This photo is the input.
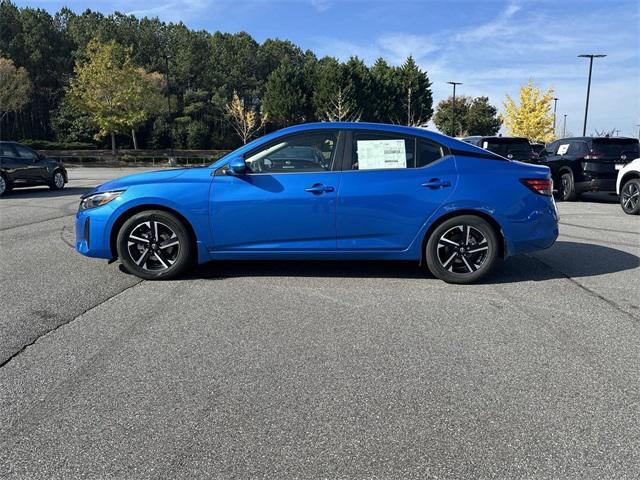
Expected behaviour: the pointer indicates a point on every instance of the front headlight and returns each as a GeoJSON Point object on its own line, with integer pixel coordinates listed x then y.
{"type": "Point", "coordinates": [99, 199]}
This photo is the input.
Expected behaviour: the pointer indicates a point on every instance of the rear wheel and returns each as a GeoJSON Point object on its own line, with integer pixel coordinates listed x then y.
{"type": "Point", "coordinates": [462, 249]}
{"type": "Point", "coordinates": [567, 189]}
{"type": "Point", "coordinates": [155, 245]}
{"type": "Point", "coordinates": [57, 181]}
{"type": "Point", "coordinates": [4, 186]}
{"type": "Point", "coordinates": [630, 196]}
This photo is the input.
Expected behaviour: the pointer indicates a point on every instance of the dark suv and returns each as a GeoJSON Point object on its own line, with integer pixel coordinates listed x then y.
{"type": "Point", "coordinates": [587, 164]}
{"type": "Point", "coordinates": [513, 148]}
{"type": "Point", "coordinates": [20, 166]}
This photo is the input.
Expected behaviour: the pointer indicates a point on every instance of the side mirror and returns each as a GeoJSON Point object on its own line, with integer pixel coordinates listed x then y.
{"type": "Point", "coordinates": [237, 166]}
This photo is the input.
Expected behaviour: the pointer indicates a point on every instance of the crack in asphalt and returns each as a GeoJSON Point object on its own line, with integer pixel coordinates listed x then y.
{"type": "Point", "coordinates": [73, 319]}
{"type": "Point", "coordinates": [610, 302]}
{"type": "Point", "coordinates": [6, 229]}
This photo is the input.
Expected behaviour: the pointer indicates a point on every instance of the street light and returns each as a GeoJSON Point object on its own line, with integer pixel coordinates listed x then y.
{"type": "Point", "coordinates": [555, 104]}
{"type": "Point", "coordinates": [564, 127]}
{"type": "Point", "coordinates": [590, 56]}
{"type": "Point", "coordinates": [453, 108]}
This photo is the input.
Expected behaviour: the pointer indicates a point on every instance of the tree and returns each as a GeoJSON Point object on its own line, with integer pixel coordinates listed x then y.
{"type": "Point", "coordinates": [474, 116]}
{"type": "Point", "coordinates": [341, 107]}
{"type": "Point", "coordinates": [109, 88]}
{"type": "Point", "coordinates": [244, 121]}
{"type": "Point", "coordinates": [150, 102]}
{"type": "Point", "coordinates": [388, 105]}
{"type": "Point", "coordinates": [418, 100]}
{"type": "Point", "coordinates": [533, 117]}
{"type": "Point", "coordinates": [286, 98]}
{"type": "Point", "coordinates": [444, 118]}
{"type": "Point", "coordinates": [482, 118]}
{"type": "Point", "coordinates": [15, 88]}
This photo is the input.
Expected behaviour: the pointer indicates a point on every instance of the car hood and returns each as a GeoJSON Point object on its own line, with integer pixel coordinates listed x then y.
{"type": "Point", "coordinates": [159, 176]}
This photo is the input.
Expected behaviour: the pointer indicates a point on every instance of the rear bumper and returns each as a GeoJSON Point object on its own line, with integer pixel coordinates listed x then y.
{"type": "Point", "coordinates": [537, 231]}
{"type": "Point", "coordinates": [596, 185]}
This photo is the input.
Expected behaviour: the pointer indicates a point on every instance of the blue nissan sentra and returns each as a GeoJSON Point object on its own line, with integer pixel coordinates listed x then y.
{"type": "Point", "coordinates": [338, 191]}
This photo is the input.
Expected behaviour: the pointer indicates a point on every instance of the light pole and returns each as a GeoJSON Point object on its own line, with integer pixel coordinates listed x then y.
{"type": "Point", "coordinates": [564, 127]}
{"type": "Point", "coordinates": [590, 56]}
{"type": "Point", "coordinates": [453, 108]}
{"type": "Point", "coordinates": [172, 157]}
{"type": "Point", "coordinates": [555, 105]}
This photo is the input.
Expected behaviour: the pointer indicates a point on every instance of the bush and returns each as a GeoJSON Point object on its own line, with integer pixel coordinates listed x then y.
{"type": "Point", "coordinates": [47, 145]}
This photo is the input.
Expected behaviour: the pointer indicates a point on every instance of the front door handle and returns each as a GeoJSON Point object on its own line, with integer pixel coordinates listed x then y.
{"type": "Point", "coordinates": [318, 188]}
{"type": "Point", "coordinates": [436, 183]}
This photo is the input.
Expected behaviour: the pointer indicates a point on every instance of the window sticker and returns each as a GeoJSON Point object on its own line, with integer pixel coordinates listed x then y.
{"type": "Point", "coordinates": [377, 154]}
{"type": "Point", "coordinates": [562, 149]}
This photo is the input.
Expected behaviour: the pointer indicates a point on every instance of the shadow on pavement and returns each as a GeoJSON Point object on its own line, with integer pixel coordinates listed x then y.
{"type": "Point", "coordinates": [563, 259]}
{"type": "Point", "coordinates": [45, 192]}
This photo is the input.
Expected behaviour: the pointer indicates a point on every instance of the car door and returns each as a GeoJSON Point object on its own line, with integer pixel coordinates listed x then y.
{"type": "Point", "coordinates": [286, 201]}
{"type": "Point", "coordinates": [391, 185]}
{"type": "Point", "coordinates": [14, 167]}
{"type": "Point", "coordinates": [35, 170]}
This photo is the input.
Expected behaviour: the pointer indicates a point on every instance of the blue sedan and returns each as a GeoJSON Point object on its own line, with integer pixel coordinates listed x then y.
{"type": "Point", "coordinates": [339, 191]}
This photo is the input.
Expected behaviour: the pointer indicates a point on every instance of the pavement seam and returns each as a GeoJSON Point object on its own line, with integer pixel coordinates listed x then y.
{"type": "Point", "coordinates": [36, 223]}
{"type": "Point", "coordinates": [587, 289]}
{"type": "Point", "coordinates": [48, 332]}
{"type": "Point", "coordinates": [596, 228]}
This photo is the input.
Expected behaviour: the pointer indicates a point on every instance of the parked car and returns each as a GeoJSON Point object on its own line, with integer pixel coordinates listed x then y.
{"type": "Point", "coordinates": [537, 148]}
{"type": "Point", "coordinates": [587, 164]}
{"type": "Point", "coordinates": [20, 166]}
{"type": "Point", "coordinates": [628, 187]}
{"type": "Point", "coordinates": [369, 191]}
{"type": "Point", "coordinates": [513, 148]}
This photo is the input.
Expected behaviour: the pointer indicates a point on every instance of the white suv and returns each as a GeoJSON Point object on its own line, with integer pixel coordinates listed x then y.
{"type": "Point", "coordinates": [628, 187]}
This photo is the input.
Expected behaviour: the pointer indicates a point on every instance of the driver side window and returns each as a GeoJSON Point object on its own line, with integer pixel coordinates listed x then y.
{"type": "Point", "coordinates": [26, 153]}
{"type": "Point", "coordinates": [311, 152]}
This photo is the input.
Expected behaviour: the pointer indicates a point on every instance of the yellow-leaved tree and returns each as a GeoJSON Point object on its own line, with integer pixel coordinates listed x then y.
{"type": "Point", "coordinates": [532, 118]}
{"type": "Point", "coordinates": [244, 120]}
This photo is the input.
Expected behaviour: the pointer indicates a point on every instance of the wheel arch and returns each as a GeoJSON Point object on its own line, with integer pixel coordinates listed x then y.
{"type": "Point", "coordinates": [628, 176]}
{"type": "Point", "coordinates": [457, 213]}
{"type": "Point", "coordinates": [127, 214]}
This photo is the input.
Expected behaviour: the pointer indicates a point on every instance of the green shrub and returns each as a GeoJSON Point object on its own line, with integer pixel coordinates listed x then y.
{"type": "Point", "coordinates": [47, 145]}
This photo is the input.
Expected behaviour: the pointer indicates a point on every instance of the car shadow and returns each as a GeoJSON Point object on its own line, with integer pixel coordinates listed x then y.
{"type": "Point", "coordinates": [564, 259]}
{"type": "Point", "coordinates": [46, 192]}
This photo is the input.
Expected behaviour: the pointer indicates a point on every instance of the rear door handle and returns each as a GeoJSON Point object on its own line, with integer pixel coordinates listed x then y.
{"type": "Point", "coordinates": [318, 188]}
{"type": "Point", "coordinates": [436, 183]}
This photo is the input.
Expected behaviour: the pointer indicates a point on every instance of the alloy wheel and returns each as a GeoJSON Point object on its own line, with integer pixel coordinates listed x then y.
{"type": "Point", "coordinates": [3, 185]}
{"type": "Point", "coordinates": [630, 196]}
{"type": "Point", "coordinates": [153, 246]}
{"type": "Point", "coordinates": [462, 249]}
{"type": "Point", "coordinates": [58, 180]}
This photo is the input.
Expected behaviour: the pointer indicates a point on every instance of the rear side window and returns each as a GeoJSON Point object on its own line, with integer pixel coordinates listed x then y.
{"type": "Point", "coordinates": [372, 151]}
{"type": "Point", "coordinates": [6, 150]}
{"type": "Point", "coordinates": [26, 152]}
{"type": "Point", "coordinates": [507, 146]}
{"type": "Point", "coordinates": [615, 147]}
{"type": "Point", "coordinates": [577, 148]}
{"type": "Point", "coordinates": [428, 152]}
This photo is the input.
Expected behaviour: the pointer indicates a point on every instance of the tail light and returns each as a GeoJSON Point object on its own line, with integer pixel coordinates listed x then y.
{"type": "Point", "coordinates": [543, 186]}
{"type": "Point", "coordinates": [593, 156]}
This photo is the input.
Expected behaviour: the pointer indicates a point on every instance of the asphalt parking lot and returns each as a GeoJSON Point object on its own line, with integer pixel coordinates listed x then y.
{"type": "Point", "coordinates": [317, 370]}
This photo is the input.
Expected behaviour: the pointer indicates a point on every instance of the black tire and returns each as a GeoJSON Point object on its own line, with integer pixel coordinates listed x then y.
{"type": "Point", "coordinates": [57, 180]}
{"type": "Point", "coordinates": [630, 197]}
{"type": "Point", "coordinates": [567, 188]}
{"type": "Point", "coordinates": [462, 249]}
{"type": "Point", "coordinates": [4, 185]}
{"type": "Point", "coordinates": [140, 245]}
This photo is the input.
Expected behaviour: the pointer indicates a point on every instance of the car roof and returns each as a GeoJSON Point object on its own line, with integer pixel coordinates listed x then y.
{"type": "Point", "coordinates": [597, 138]}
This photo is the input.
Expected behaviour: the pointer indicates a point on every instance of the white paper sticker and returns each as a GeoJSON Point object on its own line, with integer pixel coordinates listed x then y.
{"type": "Point", "coordinates": [562, 149]}
{"type": "Point", "coordinates": [375, 154]}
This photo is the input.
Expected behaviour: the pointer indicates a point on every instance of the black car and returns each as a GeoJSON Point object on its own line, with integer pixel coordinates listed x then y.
{"type": "Point", "coordinates": [587, 164]}
{"type": "Point", "coordinates": [513, 148]}
{"type": "Point", "coordinates": [20, 166]}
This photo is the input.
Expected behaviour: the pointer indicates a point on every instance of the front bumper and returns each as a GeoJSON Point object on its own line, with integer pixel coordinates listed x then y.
{"type": "Point", "coordinates": [92, 239]}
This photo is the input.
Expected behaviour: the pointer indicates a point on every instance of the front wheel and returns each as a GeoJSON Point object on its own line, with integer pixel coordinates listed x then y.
{"type": "Point", "coordinates": [462, 249]}
{"type": "Point", "coordinates": [57, 181]}
{"type": "Point", "coordinates": [155, 245]}
{"type": "Point", "coordinates": [4, 186]}
{"type": "Point", "coordinates": [630, 197]}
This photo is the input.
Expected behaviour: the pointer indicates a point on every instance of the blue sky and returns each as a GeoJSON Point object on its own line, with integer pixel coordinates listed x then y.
{"type": "Point", "coordinates": [492, 46]}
